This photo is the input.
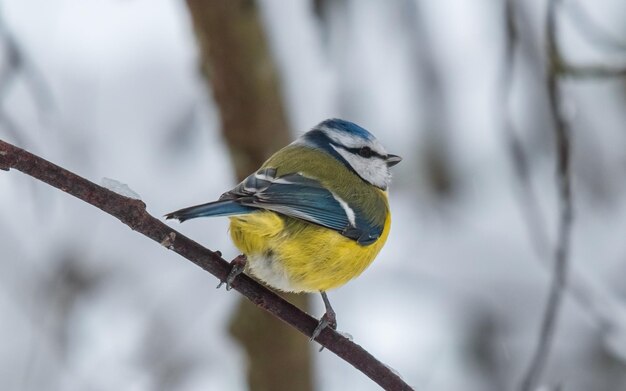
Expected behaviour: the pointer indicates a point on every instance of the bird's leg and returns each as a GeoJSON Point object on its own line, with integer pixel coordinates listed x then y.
{"type": "Point", "coordinates": [329, 319]}
{"type": "Point", "coordinates": [238, 264]}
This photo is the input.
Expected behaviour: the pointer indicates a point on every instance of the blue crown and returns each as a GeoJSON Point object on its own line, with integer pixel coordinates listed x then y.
{"type": "Point", "coordinates": [341, 125]}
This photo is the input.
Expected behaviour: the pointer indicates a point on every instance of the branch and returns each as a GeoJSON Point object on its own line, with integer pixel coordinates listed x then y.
{"type": "Point", "coordinates": [133, 213]}
{"type": "Point", "coordinates": [561, 252]}
{"type": "Point", "coordinates": [594, 32]}
{"type": "Point", "coordinates": [535, 224]}
{"type": "Point", "coordinates": [591, 71]}
{"type": "Point", "coordinates": [599, 304]}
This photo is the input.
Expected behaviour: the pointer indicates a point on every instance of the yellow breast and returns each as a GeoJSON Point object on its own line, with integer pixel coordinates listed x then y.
{"type": "Point", "coordinates": [295, 256]}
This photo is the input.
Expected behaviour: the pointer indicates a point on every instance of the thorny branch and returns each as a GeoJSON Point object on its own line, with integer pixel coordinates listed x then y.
{"type": "Point", "coordinates": [133, 213]}
{"type": "Point", "coordinates": [561, 252]}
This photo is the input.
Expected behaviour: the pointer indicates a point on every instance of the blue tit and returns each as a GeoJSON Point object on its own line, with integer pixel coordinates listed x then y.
{"type": "Point", "coordinates": [314, 216]}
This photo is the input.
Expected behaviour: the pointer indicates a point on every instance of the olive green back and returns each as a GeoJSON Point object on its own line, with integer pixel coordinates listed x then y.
{"type": "Point", "coordinates": [335, 176]}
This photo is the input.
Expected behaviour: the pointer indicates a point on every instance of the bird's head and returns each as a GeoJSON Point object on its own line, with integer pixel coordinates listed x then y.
{"type": "Point", "coordinates": [354, 146]}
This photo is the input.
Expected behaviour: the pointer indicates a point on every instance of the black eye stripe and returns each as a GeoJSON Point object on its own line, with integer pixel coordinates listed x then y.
{"type": "Point", "coordinates": [357, 151]}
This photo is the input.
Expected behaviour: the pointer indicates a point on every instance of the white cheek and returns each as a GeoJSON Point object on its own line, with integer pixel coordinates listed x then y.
{"type": "Point", "coordinates": [374, 171]}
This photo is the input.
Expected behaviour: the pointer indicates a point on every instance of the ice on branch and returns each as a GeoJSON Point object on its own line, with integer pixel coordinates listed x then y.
{"type": "Point", "coordinates": [347, 336]}
{"type": "Point", "coordinates": [393, 371]}
{"type": "Point", "coordinates": [119, 188]}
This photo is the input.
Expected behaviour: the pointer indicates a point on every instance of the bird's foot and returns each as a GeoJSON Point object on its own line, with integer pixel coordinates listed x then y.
{"type": "Point", "coordinates": [238, 265]}
{"type": "Point", "coordinates": [329, 319]}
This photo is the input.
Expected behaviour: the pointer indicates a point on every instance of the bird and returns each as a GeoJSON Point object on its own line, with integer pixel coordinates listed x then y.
{"type": "Point", "coordinates": [313, 216]}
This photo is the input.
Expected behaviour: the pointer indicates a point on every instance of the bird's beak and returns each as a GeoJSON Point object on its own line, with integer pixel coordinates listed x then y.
{"type": "Point", "coordinates": [392, 160]}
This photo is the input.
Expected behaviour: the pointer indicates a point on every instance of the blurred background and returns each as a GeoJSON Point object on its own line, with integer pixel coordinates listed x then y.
{"type": "Point", "coordinates": [180, 99]}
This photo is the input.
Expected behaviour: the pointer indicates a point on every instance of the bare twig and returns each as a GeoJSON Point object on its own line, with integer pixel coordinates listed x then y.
{"type": "Point", "coordinates": [591, 71]}
{"type": "Point", "coordinates": [593, 298]}
{"type": "Point", "coordinates": [561, 252]}
{"type": "Point", "coordinates": [601, 38]}
{"type": "Point", "coordinates": [133, 213]}
{"type": "Point", "coordinates": [535, 223]}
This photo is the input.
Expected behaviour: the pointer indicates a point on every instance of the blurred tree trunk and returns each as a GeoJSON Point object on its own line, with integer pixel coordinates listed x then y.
{"type": "Point", "coordinates": [244, 81]}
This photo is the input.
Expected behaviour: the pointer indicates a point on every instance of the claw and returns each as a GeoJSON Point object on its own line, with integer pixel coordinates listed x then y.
{"type": "Point", "coordinates": [238, 265]}
{"type": "Point", "coordinates": [329, 319]}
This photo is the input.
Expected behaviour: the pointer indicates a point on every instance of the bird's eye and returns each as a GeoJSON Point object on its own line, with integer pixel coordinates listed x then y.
{"type": "Point", "coordinates": [366, 152]}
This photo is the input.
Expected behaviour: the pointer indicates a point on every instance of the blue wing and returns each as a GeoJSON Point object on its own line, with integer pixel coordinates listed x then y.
{"type": "Point", "coordinates": [213, 209]}
{"type": "Point", "coordinates": [292, 195]}
{"type": "Point", "coordinates": [298, 196]}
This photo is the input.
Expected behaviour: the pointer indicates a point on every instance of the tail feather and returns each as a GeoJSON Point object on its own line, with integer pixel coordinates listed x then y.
{"type": "Point", "coordinates": [217, 208]}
